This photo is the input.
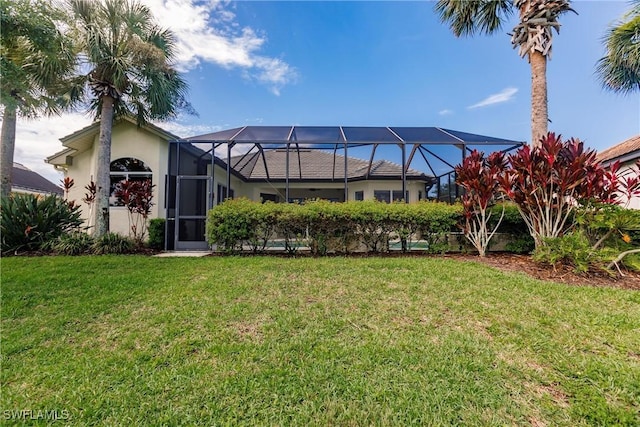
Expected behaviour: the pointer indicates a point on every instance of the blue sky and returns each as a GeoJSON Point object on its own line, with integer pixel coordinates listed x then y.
{"type": "Point", "coordinates": [370, 64]}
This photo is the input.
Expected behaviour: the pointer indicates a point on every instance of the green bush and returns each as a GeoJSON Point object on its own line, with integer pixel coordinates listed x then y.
{"type": "Point", "coordinates": [232, 223]}
{"type": "Point", "coordinates": [113, 243]}
{"type": "Point", "coordinates": [74, 243]}
{"type": "Point", "coordinates": [156, 233]}
{"type": "Point", "coordinates": [435, 221]}
{"type": "Point", "coordinates": [329, 227]}
{"type": "Point", "coordinates": [572, 249]}
{"type": "Point", "coordinates": [609, 225]}
{"type": "Point", "coordinates": [30, 222]}
{"type": "Point", "coordinates": [512, 224]}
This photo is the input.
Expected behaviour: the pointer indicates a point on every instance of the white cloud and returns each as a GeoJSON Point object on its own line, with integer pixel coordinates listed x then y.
{"type": "Point", "coordinates": [208, 32]}
{"type": "Point", "coordinates": [503, 96]}
{"type": "Point", "coordinates": [445, 112]}
{"type": "Point", "coordinates": [37, 139]}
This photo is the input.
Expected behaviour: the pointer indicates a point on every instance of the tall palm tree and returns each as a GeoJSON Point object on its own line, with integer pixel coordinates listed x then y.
{"type": "Point", "coordinates": [619, 69]}
{"type": "Point", "coordinates": [532, 36]}
{"type": "Point", "coordinates": [128, 70]}
{"type": "Point", "coordinates": [35, 58]}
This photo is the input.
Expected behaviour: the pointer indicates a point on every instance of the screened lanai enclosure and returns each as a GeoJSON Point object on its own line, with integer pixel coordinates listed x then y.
{"type": "Point", "coordinates": [296, 163]}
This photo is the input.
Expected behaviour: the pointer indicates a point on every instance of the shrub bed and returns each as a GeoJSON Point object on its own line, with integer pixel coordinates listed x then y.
{"type": "Point", "coordinates": [326, 227]}
{"type": "Point", "coordinates": [30, 222]}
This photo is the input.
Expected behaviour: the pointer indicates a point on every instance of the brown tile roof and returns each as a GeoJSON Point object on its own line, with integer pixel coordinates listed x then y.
{"type": "Point", "coordinates": [314, 165]}
{"type": "Point", "coordinates": [627, 147]}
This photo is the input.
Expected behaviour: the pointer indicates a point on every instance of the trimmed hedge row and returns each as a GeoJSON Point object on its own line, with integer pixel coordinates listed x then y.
{"type": "Point", "coordinates": [330, 227]}
{"type": "Point", "coordinates": [369, 226]}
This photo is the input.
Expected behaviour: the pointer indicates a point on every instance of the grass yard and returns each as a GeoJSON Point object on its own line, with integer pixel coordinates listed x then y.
{"type": "Point", "coordinates": [132, 340]}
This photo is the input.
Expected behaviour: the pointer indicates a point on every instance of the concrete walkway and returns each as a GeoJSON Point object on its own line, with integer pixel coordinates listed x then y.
{"type": "Point", "coordinates": [194, 254]}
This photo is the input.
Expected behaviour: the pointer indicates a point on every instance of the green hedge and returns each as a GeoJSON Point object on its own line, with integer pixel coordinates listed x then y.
{"type": "Point", "coordinates": [330, 227]}
{"type": "Point", "coordinates": [513, 224]}
{"type": "Point", "coordinates": [156, 233]}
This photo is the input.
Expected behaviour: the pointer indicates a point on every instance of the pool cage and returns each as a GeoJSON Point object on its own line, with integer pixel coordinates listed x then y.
{"type": "Point", "coordinates": [207, 169]}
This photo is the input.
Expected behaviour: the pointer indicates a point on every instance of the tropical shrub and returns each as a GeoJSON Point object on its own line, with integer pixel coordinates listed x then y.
{"type": "Point", "coordinates": [113, 243]}
{"type": "Point", "coordinates": [550, 181]}
{"type": "Point", "coordinates": [137, 197]}
{"type": "Point", "coordinates": [479, 177]}
{"type": "Point", "coordinates": [30, 221]}
{"type": "Point", "coordinates": [74, 243]}
{"type": "Point", "coordinates": [572, 248]}
{"type": "Point", "coordinates": [608, 225]}
{"type": "Point", "coordinates": [156, 233]}
{"type": "Point", "coordinates": [89, 199]}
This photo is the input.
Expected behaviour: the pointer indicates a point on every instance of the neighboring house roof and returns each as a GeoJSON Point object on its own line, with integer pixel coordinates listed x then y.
{"type": "Point", "coordinates": [82, 140]}
{"type": "Point", "coordinates": [628, 150]}
{"type": "Point", "coordinates": [28, 181]}
{"type": "Point", "coordinates": [314, 165]}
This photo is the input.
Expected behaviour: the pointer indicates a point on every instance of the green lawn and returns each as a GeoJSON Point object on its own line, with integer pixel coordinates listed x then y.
{"type": "Point", "coordinates": [134, 340]}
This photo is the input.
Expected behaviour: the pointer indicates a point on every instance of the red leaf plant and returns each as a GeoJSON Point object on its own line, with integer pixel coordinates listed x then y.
{"type": "Point", "coordinates": [480, 177]}
{"type": "Point", "coordinates": [137, 197]}
{"type": "Point", "coordinates": [549, 181]}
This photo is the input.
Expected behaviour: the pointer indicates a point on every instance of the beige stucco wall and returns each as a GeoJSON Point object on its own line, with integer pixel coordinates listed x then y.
{"type": "Point", "coordinates": [328, 190]}
{"type": "Point", "coordinates": [127, 140]}
{"type": "Point", "coordinates": [625, 169]}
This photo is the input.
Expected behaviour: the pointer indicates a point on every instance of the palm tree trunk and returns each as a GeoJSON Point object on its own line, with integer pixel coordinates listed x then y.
{"type": "Point", "coordinates": [539, 107]}
{"type": "Point", "coordinates": [103, 164]}
{"type": "Point", "coordinates": [7, 147]}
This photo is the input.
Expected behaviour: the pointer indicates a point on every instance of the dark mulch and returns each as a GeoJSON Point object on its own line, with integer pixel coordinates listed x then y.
{"type": "Point", "coordinates": [559, 273]}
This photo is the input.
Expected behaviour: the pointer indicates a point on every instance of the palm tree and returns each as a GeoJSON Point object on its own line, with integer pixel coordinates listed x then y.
{"type": "Point", "coordinates": [35, 58]}
{"type": "Point", "coordinates": [619, 69]}
{"type": "Point", "coordinates": [532, 36]}
{"type": "Point", "coordinates": [127, 61]}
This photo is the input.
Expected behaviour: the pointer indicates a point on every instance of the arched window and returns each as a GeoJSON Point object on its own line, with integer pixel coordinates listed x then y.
{"type": "Point", "coordinates": [127, 168]}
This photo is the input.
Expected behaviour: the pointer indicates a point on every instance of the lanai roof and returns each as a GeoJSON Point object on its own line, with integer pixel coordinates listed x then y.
{"type": "Point", "coordinates": [438, 148]}
{"type": "Point", "coordinates": [349, 134]}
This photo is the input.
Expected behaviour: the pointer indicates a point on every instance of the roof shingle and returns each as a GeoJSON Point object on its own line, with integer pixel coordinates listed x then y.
{"type": "Point", "coordinates": [626, 147]}
{"type": "Point", "coordinates": [308, 164]}
{"type": "Point", "coordinates": [27, 180]}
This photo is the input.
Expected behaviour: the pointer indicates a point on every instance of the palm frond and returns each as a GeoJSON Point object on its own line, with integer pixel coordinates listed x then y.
{"type": "Point", "coordinates": [619, 69]}
{"type": "Point", "coordinates": [466, 18]}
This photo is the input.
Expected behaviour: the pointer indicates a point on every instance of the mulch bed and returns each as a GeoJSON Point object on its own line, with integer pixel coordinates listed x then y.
{"type": "Point", "coordinates": [559, 273]}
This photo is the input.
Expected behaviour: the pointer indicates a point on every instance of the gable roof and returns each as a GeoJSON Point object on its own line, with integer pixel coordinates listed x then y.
{"type": "Point", "coordinates": [627, 150]}
{"type": "Point", "coordinates": [308, 164]}
{"type": "Point", "coordinates": [94, 128]}
{"type": "Point", "coordinates": [82, 139]}
{"type": "Point", "coordinates": [26, 180]}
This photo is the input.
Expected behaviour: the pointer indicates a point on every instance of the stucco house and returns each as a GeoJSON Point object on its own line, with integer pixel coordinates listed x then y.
{"type": "Point", "coordinates": [627, 153]}
{"type": "Point", "coordinates": [136, 153]}
{"type": "Point", "coordinates": [267, 163]}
